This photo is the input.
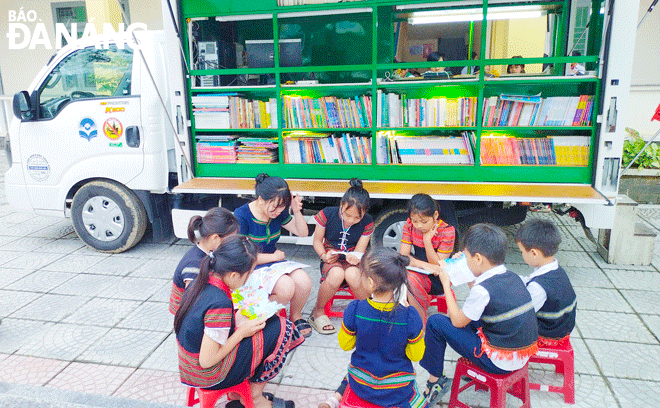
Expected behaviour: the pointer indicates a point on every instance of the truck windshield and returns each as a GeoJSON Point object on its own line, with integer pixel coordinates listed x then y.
{"type": "Point", "coordinates": [86, 73]}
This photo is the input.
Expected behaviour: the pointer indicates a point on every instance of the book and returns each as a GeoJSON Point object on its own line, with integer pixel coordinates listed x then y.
{"type": "Point", "coordinates": [458, 271]}
{"type": "Point", "coordinates": [253, 303]}
{"type": "Point", "coordinates": [358, 255]}
{"type": "Point", "coordinates": [265, 277]}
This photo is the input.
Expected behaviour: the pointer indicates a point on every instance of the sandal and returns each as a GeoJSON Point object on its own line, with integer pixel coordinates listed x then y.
{"type": "Point", "coordinates": [280, 403]}
{"type": "Point", "coordinates": [301, 325]}
{"type": "Point", "coordinates": [435, 390]}
{"type": "Point", "coordinates": [322, 324]}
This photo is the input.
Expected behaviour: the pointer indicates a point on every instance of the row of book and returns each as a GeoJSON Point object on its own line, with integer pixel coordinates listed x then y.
{"type": "Point", "coordinates": [438, 150]}
{"type": "Point", "coordinates": [235, 149]}
{"type": "Point", "coordinates": [553, 150]}
{"type": "Point", "coordinates": [521, 110]}
{"type": "Point", "coordinates": [303, 2]}
{"type": "Point", "coordinates": [232, 111]}
{"type": "Point", "coordinates": [396, 110]}
{"type": "Point", "coordinates": [301, 112]}
{"type": "Point", "coordinates": [342, 148]}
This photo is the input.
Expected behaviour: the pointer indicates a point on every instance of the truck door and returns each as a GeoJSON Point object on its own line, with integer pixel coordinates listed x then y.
{"type": "Point", "coordinates": [88, 125]}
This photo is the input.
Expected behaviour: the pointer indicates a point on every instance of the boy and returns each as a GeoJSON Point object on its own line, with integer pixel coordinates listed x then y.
{"type": "Point", "coordinates": [496, 329]}
{"type": "Point", "coordinates": [551, 291]}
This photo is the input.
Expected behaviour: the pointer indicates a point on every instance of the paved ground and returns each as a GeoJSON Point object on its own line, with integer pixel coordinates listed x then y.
{"type": "Point", "coordinates": [85, 329]}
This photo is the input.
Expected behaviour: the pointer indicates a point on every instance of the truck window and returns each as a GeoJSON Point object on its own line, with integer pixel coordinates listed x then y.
{"type": "Point", "coordinates": [87, 73]}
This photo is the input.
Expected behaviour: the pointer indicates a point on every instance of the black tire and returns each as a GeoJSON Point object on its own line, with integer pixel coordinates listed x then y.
{"type": "Point", "coordinates": [387, 227]}
{"type": "Point", "coordinates": [120, 213]}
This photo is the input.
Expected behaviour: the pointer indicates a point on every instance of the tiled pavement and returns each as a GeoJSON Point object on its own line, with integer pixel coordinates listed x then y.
{"type": "Point", "coordinates": [97, 327]}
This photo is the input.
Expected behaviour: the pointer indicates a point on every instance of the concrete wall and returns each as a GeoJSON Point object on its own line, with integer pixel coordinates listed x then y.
{"type": "Point", "coordinates": [524, 37]}
{"type": "Point", "coordinates": [19, 67]}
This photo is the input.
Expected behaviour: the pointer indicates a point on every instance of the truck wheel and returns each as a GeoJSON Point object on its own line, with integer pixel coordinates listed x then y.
{"type": "Point", "coordinates": [108, 217]}
{"type": "Point", "coordinates": [388, 228]}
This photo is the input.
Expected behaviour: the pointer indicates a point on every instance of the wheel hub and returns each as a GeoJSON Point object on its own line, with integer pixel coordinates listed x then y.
{"type": "Point", "coordinates": [392, 235]}
{"type": "Point", "coordinates": [103, 218]}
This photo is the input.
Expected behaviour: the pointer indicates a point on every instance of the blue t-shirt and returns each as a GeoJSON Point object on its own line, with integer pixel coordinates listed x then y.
{"type": "Point", "coordinates": [264, 234]}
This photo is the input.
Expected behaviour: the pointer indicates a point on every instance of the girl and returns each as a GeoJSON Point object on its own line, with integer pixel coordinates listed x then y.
{"type": "Point", "coordinates": [216, 351]}
{"type": "Point", "coordinates": [515, 68]}
{"type": "Point", "coordinates": [262, 220]}
{"type": "Point", "coordinates": [433, 241]}
{"type": "Point", "coordinates": [206, 233]}
{"type": "Point", "coordinates": [346, 228]}
{"type": "Point", "coordinates": [386, 335]}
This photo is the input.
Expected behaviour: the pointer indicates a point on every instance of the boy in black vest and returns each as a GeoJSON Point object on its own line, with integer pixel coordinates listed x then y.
{"type": "Point", "coordinates": [496, 328]}
{"type": "Point", "coordinates": [552, 293]}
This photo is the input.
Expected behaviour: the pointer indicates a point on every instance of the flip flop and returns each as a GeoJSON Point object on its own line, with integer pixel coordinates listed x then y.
{"type": "Point", "coordinates": [321, 324]}
{"type": "Point", "coordinates": [301, 325]}
{"type": "Point", "coordinates": [280, 403]}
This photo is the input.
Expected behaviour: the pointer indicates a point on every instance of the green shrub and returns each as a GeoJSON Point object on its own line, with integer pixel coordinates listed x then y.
{"type": "Point", "coordinates": [649, 159]}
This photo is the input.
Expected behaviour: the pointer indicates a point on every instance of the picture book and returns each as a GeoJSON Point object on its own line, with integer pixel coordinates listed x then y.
{"type": "Point", "coordinates": [266, 276]}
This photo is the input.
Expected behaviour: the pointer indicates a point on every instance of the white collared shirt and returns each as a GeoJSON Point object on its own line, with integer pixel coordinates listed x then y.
{"type": "Point", "coordinates": [539, 296]}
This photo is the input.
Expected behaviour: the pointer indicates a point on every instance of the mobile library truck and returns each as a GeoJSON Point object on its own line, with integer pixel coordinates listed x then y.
{"type": "Point", "coordinates": [123, 138]}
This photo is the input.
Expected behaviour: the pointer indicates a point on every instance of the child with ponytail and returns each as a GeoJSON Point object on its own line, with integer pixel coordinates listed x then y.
{"type": "Point", "coordinates": [386, 335]}
{"type": "Point", "coordinates": [262, 221]}
{"type": "Point", "coordinates": [217, 350]}
{"type": "Point", "coordinates": [346, 228]}
{"type": "Point", "coordinates": [206, 233]}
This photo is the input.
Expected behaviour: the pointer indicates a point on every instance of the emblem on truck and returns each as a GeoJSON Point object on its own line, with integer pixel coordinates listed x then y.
{"type": "Point", "coordinates": [113, 128]}
{"type": "Point", "coordinates": [87, 129]}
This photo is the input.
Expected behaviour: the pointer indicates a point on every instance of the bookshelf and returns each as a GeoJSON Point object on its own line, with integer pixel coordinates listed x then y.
{"type": "Point", "coordinates": [339, 113]}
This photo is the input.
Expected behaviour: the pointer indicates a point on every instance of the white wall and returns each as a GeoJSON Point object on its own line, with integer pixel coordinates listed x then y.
{"type": "Point", "coordinates": [19, 67]}
{"type": "Point", "coordinates": [645, 85]}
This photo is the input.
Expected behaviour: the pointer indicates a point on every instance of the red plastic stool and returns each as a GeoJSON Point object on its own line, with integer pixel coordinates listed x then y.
{"type": "Point", "coordinates": [516, 384]}
{"type": "Point", "coordinates": [440, 302]}
{"type": "Point", "coordinates": [350, 400]}
{"type": "Point", "coordinates": [562, 357]}
{"type": "Point", "coordinates": [346, 295]}
{"type": "Point", "coordinates": [208, 398]}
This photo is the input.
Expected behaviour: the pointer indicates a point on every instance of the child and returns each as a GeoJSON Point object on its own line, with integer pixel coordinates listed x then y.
{"type": "Point", "coordinates": [515, 68]}
{"type": "Point", "coordinates": [552, 293]}
{"type": "Point", "coordinates": [206, 233]}
{"type": "Point", "coordinates": [386, 335]}
{"type": "Point", "coordinates": [436, 72]}
{"type": "Point", "coordinates": [218, 351]}
{"type": "Point", "coordinates": [433, 240]}
{"type": "Point", "coordinates": [346, 228]}
{"type": "Point", "coordinates": [262, 220]}
{"type": "Point", "coordinates": [496, 329]}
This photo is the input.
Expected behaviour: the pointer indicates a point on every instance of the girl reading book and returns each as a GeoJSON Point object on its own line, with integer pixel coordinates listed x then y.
{"type": "Point", "coordinates": [432, 240]}
{"type": "Point", "coordinates": [341, 237]}
{"type": "Point", "coordinates": [261, 221]}
{"type": "Point", "coordinates": [218, 350]}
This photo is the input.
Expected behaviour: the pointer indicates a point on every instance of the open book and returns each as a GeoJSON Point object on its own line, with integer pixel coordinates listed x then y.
{"type": "Point", "coordinates": [457, 269]}
{"type": "Point", "coordinates": [358, 255]}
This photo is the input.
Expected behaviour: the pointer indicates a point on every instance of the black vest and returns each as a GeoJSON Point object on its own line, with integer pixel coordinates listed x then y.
{"type": "Point", "coordinates": [557, 316]}
{"type": "Point", "coordinates": [508, 320]}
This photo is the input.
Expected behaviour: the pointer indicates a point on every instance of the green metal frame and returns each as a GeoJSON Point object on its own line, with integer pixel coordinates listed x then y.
{"type": "Point", "coordinates": [480, 87]}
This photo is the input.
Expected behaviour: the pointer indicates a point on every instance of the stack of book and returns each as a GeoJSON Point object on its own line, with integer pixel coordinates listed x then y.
{"type": "Point", "coordinates": [211, 111]}
{"type": "Point", "coordinates": [257, 150]}
{"type": "Point", "coordinates": [554, 150]}
{"type": "Point", "coordinates": [320, 148]}
{"type": "Point", "coordinates": [521, 110]}
{"type": "Point", "coordinates": [438, 150]}
{"type": "Point", "coordinates": [252, 114]}
{"type": "Point", "coordinates": [216, 149]}
{"type": "Point", "coordinates": [396, 110]}
{"type": "Point", "coordinates": [302, 112]}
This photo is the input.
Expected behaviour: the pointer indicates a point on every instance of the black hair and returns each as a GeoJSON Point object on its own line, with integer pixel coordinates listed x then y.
{"type": "Point", "coordinates": [576, 54]}
{"type": "Point", "coordinates": [269, 188]}
{"type": "Point", "coordinates": [436, 56]}
{"type": "Point", "coordinates": [217, 220]}
{"type": "Point", "coordinates": [508, 68]}
{"type": "Point", "coordinates": [539, 234]}
{"type": "Point", "coordinates": [423, 204]}
{"type": "Point", "coordinates": [474, 55]}
{"type": "Point", "coordinates": [235, 254]}
{"type": "Point", "coordinates": [356, 196]}
{"type": "Point", "coordinates": [487, 240]}
{"type": "Point", "coordinates": [388, 269]}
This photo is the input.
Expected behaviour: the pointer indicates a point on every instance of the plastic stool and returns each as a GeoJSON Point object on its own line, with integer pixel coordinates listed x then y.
{"type": "Point", "coordinates": [208, 398]}
{"type": "Point", "coordinates": [516, 384]}
{"type": "Point", "coordinates": [440, 302]}
{"type": "Point", "coordinates": [346, 295]}
{"type": "Point", "coordinates": [350, 400]}
{"type": "Point", "coordinates": [562, 357]}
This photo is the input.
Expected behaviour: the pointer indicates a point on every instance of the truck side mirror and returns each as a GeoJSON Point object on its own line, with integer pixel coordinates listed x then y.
{"type": "Point", "coordinates": [23, 106]}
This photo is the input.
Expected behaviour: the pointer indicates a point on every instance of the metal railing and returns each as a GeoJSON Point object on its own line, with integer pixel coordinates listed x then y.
{"type": "Point", "coordinates": [6, 114]}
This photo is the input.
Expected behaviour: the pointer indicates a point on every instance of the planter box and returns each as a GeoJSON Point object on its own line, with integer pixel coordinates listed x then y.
{"type": "Point", "coordinates": [642, 185]}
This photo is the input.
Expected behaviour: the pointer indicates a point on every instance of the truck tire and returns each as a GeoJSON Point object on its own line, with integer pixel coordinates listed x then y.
{"type": "Point", "coordinates": [108, 217]}
{"type": "Point", "coordinates": [388, 228]}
